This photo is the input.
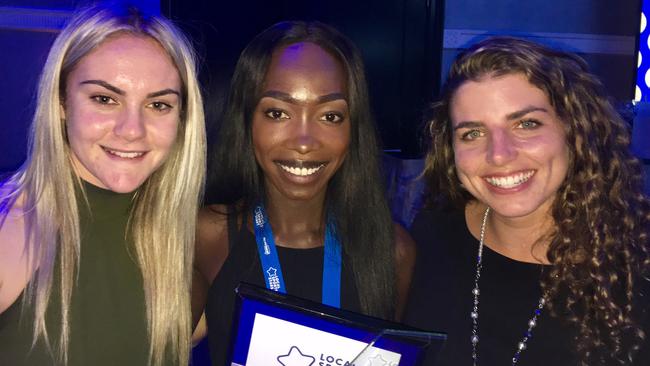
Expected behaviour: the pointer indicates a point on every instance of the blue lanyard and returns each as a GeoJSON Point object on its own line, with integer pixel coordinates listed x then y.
{"type": "Point", "coordinates": [272, 271]}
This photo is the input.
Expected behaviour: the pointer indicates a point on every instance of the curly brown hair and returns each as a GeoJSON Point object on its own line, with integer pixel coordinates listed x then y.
{"type": "Point", "coordinates": [599, 246]}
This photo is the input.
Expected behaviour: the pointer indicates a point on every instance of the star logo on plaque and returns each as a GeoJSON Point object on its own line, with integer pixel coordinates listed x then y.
{"type": "Point", "coordinates": [296, 358]}
{"type": "Point", "coordinates": [377, 361]}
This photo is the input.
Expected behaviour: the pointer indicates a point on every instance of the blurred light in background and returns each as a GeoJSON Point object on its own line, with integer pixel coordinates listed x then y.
{"type": "Point", "coordinates": [642, 92]}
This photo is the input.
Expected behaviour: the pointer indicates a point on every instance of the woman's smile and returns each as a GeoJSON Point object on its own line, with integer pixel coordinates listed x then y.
{"type": "Point", "coordinates": [301, 168]}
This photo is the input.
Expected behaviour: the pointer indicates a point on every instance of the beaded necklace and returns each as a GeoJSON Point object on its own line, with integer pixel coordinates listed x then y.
{"type": "Point", "coordinates": [521, 346]}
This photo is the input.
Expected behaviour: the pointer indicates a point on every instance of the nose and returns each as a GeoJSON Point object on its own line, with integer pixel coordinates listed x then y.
{"type": "Point", "coordinates": [501, 148]}
{"type": "Point", "coordinates": [304, 137]}
{"type": "Point", "coordinates": [130, 125]}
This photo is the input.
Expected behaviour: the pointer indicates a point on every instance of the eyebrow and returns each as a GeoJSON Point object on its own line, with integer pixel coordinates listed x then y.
{"type": "Point", "coordinates": [520, 113]}
{"type": "Point", "coordinates": [511, 116]}
{"type": "Point", "coordinates": [160, 93]}
{"type": "Point", "coordinates": [285, 97]}
{"type": "Point", "coordinates": [106, 85]}
{"type": "Point", "coordinates": [119, 91]}
{"type": "Point", "coordinates": [467, 124]}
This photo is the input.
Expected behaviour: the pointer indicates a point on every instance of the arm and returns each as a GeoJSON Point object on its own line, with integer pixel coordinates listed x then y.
{"type": "Point", "coordinates": [405, 254]}
{"type": "Point", "coordinates": [210, 253]}
{"type": "Point", "coordinates": [16, 267]}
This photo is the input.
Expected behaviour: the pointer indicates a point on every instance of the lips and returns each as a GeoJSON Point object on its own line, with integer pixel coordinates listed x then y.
{"type": "Point", "coordinates": [510, 181]}
{"type": "Point", "coordinates": [124, 154]}
{"type": "Point", "coordinates": [301, 168]}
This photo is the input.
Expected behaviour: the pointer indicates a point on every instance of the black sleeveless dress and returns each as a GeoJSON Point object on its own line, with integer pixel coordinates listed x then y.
{"type": "Point", "coordinates": [303, 274]}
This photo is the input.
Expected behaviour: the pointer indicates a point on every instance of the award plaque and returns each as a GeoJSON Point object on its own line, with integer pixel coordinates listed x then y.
{"type": "Point", "coordinates": [274, 329]}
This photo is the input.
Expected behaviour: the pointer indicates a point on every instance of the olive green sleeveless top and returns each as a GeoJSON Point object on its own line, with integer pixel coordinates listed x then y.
{"type": "Point", "coordinates": [107, 314]}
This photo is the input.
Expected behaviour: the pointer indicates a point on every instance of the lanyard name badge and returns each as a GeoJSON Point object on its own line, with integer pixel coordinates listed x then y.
{"type": "Point", "coordinates": [272, 271]}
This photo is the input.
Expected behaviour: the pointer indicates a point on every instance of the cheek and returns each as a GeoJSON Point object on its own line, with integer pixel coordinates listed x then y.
{"type": "Point", "coordinates": [465, 161]}
{"type": "Point", "coordinates": [85, 128]}
{"type": "Point", "coordinates": [552, 148]}
{"type": "Point", "coordinates": [260, 137]}
{"type": "Point", "coordinates": [265, 136]}
{"type": "Point", "coordinates": [562, 162]}
{"type": "Point", "coordinates": [340, 140]}
{"type": "Point", "coordinates": [343, 145]}
{"type": "Point", "coordinates": [165, 134]}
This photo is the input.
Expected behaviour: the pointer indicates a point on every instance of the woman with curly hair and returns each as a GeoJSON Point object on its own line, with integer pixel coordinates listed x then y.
{"type": "Point", "coordinates": [97, 227]}
{"type": "Point", "coordinates": [298, 175]}
{"type": "Point", "coordinates": [538, 251]}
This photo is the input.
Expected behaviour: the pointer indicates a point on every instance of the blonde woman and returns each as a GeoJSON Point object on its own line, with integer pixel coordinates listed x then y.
{"type": "Point", "coordinates": [97, 227]}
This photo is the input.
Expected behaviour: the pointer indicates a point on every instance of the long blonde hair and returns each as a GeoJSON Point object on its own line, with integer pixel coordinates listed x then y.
{"type": "Point", "coordinates": [162, 222]}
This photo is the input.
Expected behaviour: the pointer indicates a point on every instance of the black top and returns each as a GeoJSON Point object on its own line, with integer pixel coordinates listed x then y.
{"type": "Point", "coordinates": [107, 314]}
{"type": "Point", "coordinates": [302, 270]}
{"type": "Point", "coordinates": [441, 299]}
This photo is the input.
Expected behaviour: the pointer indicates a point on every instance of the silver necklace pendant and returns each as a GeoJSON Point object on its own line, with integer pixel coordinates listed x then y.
{"type": "Point", "coordinates": [521, 346]}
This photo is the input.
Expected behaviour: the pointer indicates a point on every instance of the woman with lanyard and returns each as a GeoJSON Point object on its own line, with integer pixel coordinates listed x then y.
{"type": "Point", "coordinates": [303, 210]}
{"type": "Point", "coordinates": [538, 254]}
{"type": "Point", "coordinates": [97, 227]}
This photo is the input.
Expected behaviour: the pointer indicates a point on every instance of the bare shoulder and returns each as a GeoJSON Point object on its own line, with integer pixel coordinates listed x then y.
{"type": "Point", "coordinates": [405, 247]}
{"type": "Point", "coordinates": [7, 192]}
{"type": "Point", "coordinates": [405, 254]}
{"type": "Point", "coordinates": [212, 222]}
{"type": "Point", "coordinates": [16, 268]}
{"type": "Point", "coordinates": [211, 247]}
{"type": "Point", "coordinates": [210, 252]}
{"type": "Point", "coordinates": [12, 224]}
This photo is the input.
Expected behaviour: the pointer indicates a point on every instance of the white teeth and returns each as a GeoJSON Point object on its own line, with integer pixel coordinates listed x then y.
{"type": "Point", "coordinates": [510, 181]}
{"type": "Point", "coordinates": [301, 171]}
{"type": "Point", "coordinates": [126, 155]}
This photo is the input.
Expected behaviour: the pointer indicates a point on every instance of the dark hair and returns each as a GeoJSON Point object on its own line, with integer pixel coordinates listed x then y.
{"type": "Point", "coordinates": [355, 196]}
{"type": "Point", "coordinates": [599, 245]}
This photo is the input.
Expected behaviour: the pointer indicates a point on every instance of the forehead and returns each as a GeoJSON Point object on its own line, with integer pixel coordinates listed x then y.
{"type": "Point", "coordinates": [491, 94]}
{"type": "Point", "coordinates": [306, 65]}
{"type": "Point", "coordinates": [127, 58]}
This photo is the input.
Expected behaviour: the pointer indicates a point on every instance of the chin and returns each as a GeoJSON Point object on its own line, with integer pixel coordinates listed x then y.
{"type": "Point", "coordinates": [300, 195]}
{"type": "Point", "coordinates": [513, 210]}
{"type": "Point", "coordinates": [125, 190]}
{"type": "Point", "coordinates": [125, 186]}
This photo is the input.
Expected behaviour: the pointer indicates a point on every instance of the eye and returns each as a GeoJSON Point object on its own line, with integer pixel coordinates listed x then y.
{"type": "Point", "coordinates": [529, 124]}
{"type": "Point", "coordinates": [103, 99]}
{"type": "Point", "coordinates": [471, 135]}
{"type": "Point", "coordinates": [332, 117]}
{"type": "Point", "coordinates": [160, 106]}
{"type": "Point", "coordinates": [276, 114]}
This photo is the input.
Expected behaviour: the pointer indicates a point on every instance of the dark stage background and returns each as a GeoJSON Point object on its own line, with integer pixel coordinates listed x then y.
{"type": "Point", "coordinates": [407, 46]}
{"type": "Point", "coordinates": [400, 42]}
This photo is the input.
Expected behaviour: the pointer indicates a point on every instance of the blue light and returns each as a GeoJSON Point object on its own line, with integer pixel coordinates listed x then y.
{"type": "Point", "coordinates": [642, 92]}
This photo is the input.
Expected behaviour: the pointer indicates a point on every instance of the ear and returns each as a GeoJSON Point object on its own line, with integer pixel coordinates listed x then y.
{"type": "Point", "coordinates": [62, 109]}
